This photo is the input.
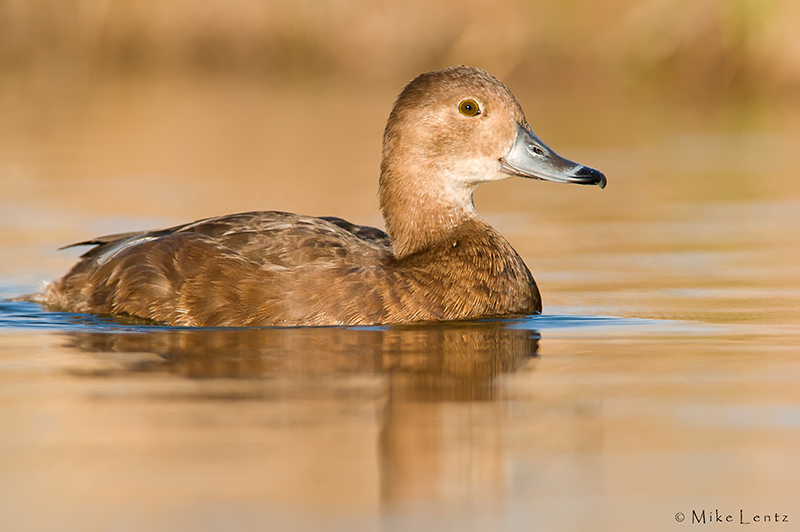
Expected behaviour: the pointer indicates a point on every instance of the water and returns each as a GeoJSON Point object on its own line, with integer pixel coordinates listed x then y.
{"type": "Point", "coordinates": [662, 379]}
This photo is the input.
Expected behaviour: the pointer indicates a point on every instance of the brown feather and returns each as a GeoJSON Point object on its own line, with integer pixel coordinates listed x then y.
{"type": "Point", "coordinates": [439, 260]}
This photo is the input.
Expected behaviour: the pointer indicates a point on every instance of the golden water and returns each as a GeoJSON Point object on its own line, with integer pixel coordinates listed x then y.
{"type": "Point", "coordinates": [663, 377]}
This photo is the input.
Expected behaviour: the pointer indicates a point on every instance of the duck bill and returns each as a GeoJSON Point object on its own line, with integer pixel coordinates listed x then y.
{"type": "Point", "coordinates": [530, 157]}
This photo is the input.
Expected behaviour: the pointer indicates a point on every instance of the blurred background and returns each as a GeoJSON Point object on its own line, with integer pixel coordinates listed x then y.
{"type": "Point", "coordinates": [119, 115]}
{"type": "Point", "coordinates": [671, 46]}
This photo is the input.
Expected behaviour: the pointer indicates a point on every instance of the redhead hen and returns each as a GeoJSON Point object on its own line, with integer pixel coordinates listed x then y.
{"type": "Point", "coordinates": [449, 131]}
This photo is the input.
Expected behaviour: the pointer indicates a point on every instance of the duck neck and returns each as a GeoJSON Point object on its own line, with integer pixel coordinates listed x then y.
{"type": "Point", "coordinates": [421, 207]}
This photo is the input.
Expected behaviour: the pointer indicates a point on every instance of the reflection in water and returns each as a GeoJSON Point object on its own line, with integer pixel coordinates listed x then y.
{"type": "Point", "coordinates": [432, 375]}
{"type": "Point", "coordinates": [423, 362]}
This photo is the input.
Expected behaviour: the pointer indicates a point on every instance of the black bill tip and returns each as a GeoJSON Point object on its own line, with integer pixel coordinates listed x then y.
{"type": "Point", "coordinates": [589, 176]}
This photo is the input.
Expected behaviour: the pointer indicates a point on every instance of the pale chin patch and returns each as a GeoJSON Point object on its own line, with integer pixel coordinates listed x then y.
{"type": "Point", "coordinates": [474, 172]}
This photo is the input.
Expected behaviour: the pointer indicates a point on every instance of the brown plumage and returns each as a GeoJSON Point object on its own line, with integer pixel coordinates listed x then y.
{"type": "Point", "coordinates": [449, 131]}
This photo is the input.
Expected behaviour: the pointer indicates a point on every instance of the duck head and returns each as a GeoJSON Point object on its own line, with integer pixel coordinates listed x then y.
{"type": "Point", "coordinates": [449, 131]}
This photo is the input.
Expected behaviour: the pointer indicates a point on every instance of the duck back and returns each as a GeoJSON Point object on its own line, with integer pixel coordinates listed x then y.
{"type": "Point", "coordinates": [275, 268]}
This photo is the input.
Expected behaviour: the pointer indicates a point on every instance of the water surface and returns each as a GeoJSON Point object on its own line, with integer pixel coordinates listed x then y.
{"type": "Point", "coordinates": [662, 379]}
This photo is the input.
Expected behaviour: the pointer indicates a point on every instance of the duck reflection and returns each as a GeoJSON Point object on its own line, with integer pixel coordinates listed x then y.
{"type": "Point", "coordinates": [427, 361]}
{"type": "Point", "coordinates": [437, 408]}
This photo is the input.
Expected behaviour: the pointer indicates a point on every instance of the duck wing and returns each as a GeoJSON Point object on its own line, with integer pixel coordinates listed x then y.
{"type": "Point", "coordinates": [232, 270]}
{"type": "Point", "coordinates": [261, 235]}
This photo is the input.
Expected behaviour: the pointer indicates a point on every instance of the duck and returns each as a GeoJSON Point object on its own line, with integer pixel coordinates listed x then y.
{"type": "Point", "coordinates": [448, 132]}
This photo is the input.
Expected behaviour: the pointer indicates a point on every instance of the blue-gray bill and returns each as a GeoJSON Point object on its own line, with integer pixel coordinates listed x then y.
{"type": "Point", "coordinates": [530, 157]}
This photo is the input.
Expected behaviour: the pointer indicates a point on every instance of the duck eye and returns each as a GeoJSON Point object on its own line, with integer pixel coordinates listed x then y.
{"type": "Point", "coordinates": [469, 108]}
